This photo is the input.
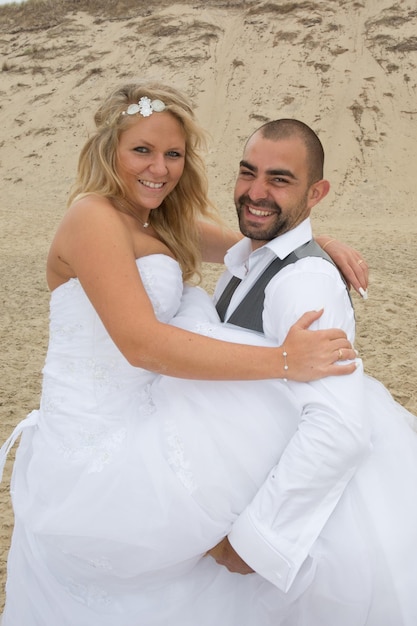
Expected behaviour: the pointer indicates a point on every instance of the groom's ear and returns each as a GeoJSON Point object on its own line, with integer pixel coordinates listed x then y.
{"type": "Point", "coordinates": [317, 192]}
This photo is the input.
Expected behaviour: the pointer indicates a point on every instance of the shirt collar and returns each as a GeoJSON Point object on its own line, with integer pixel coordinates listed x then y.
{"type": "Point", "coordinates": [238, 258]}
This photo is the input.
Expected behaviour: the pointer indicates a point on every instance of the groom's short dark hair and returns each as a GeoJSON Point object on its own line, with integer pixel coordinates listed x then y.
{"type": "Point", "coordinates": [286, 128]}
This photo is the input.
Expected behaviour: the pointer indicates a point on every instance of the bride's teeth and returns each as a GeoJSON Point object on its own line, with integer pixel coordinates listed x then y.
{"type": "Point", "coordinates": [152, 185]}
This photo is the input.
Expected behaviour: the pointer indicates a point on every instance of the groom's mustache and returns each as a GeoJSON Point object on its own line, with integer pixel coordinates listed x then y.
{"type": "Point", "coordinates": [259, 204]}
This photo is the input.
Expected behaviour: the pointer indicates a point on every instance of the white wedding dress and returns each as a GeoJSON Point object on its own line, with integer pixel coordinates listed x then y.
{"type": "Point", "coordinates": [123, 480]}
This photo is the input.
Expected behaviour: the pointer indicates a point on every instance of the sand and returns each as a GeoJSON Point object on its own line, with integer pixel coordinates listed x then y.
{"type": "Point", "coordinates": [346, 68]}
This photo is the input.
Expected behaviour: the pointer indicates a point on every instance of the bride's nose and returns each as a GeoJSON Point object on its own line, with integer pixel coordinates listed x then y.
{"type": "Point", "coordinates": [158, 165]}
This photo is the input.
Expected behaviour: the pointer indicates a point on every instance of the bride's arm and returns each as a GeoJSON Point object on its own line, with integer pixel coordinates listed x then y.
{"type": "Point", "coordinates": [349, 261]}
{"type": "Point", "coordinates": [216, 241]}
{"type": "Point", "coordinates": [98, 247]}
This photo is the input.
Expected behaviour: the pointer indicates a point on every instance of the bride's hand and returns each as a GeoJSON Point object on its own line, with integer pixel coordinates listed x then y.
{"type": "Point", "coordinates": [349, 261]}
{"type": "Point", "coordinates": [313, 354]}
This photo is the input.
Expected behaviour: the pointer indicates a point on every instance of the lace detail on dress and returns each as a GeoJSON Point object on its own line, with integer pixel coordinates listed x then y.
{"type": "Point", "coordinates": [90, 595]}
{"type": "Point", "coordinates": [176, 457]}
{"type": "Point", "coordinates": [151, 285]}
{"type": "Point", "coordinates": [64, 330]}
{"type": "Point", "coordinates": [101, 562]}
{"type": "Point", "coordinates": [145, 401]}
{"type": "Point", "coordinates": [104, 373]}
{"type": "Point", "coordinates": [69, 329]}
{"type": "Point", "coordinates": [49, 403]}
{"type": "Point", "coordinates": [94, 448]}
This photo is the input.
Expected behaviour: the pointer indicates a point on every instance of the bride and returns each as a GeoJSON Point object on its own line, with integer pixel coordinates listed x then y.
{"type": "Point", "coordinates": [150, 439]}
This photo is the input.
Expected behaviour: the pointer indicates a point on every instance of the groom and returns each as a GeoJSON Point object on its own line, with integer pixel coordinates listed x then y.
{"type": "Point", "coordinates": [273, 275]}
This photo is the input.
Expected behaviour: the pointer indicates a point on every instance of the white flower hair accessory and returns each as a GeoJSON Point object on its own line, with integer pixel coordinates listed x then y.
{"type": "Point", "coordinates": [145, 107]}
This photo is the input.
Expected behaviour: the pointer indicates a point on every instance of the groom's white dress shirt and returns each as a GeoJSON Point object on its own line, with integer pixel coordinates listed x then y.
{"type": "Point", "coordinates": [277, 530]}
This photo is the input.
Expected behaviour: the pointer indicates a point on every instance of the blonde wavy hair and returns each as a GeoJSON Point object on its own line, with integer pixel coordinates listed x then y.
{"type": "Point", "coordinates": [176, 219]}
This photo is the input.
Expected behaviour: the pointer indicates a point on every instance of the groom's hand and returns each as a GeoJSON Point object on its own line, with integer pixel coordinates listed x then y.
{"type": "Point", "coordinates": [225, 555]}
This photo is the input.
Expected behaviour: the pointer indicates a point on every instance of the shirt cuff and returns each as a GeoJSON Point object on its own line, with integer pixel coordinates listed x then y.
{"type": "Point", "coordinates": [262, 557]}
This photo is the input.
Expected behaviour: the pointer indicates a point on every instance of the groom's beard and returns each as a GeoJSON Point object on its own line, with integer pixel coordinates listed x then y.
{"type": "Point", "coordinates": [269, 227]}
{"type": "Point", "coordinates": [274, 225]}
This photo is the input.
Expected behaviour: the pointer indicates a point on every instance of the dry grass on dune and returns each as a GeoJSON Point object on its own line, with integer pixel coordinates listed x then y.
{"type": "Point", "coordinates": [36, 15]}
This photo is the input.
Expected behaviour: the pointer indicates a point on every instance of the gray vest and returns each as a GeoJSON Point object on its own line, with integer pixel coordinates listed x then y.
{"type": "Point", "coordinates": [248, 313]}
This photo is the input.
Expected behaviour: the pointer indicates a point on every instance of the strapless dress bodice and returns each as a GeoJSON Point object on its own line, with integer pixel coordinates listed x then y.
{"type": "Point", "coordinates": [76, 331]}
{"type": "Point", "coordinates": [75, 327]}
{"type": "Point", "coordinates": [84, 372]}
